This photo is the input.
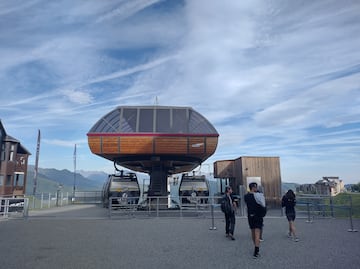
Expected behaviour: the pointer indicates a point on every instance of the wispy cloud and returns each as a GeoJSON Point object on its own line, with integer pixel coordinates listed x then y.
{"type": "Point", "coordinates": [126, 9]}
{"type": "Point", "coordinates": [274, 77]}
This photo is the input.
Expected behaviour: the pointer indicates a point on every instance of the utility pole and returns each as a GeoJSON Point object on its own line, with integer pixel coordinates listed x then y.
{"type": "Point", "coordinates": [36, 163]}
{"type": "Point", "coordinates": [74, 174]}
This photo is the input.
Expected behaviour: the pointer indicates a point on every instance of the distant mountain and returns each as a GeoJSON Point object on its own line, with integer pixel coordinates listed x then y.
{"type": "Point", "coordinates": [50, 179]}
{"type": "Point", "coordinates": [96, 176]}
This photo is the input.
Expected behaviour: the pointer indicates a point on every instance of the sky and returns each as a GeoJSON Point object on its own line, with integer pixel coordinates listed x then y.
{"type": "Point", "coordinates": [275, 78]}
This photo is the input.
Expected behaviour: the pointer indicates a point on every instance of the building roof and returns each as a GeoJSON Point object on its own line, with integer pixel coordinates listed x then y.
{"type": "Point", "coordinates": [8, 138]}
{"type": "Point", "coordinates": [154, 119]}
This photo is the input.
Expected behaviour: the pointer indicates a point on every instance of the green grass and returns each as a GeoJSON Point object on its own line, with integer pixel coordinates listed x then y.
{"type": "Point", "coordinates": [345, 199]}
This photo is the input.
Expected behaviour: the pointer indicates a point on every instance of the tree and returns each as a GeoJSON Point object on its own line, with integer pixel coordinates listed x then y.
{"type": "Point", "coordinates": [355, 187]}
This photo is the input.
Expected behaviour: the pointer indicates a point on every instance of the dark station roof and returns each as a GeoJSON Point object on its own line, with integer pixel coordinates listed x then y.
{"type": "Point", "coordinates": [154, 119]}
{"type": "Point", "coordinates": [143, 137]}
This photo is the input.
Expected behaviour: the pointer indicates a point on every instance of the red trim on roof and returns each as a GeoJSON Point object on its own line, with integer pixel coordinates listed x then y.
{"type": "Point", "coordinates": [151, 134]}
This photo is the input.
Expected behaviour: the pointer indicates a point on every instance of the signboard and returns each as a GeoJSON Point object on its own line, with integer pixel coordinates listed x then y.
{"type": "Point", "coordinates": [249, 180]}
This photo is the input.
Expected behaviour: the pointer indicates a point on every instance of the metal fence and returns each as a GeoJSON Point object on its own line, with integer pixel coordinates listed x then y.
{"type": "Point", "coordinates": [159, 206]}
{"type": "Point", "coordinates": [309, 207]}
{"type": "Point", "coordinates": [87, 197]}
{"type": "Point", "coordinates": [14, 207]}
{"type": "Point", "coordinates": [320, 206]}
{"type": "Point", "coordinates": [48, 200]}
{"type": "Point", "coordinates": [58, 199]}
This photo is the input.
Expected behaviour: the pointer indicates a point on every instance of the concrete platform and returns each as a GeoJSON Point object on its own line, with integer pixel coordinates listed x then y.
{"type": "Point", "coordinates": [84, 237]}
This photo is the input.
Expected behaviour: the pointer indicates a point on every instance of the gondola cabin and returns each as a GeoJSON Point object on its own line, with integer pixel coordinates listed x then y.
{"type": "Point", "coordinates": [193, 188]}
{"type": "Point", "coordinates": [123, 187]}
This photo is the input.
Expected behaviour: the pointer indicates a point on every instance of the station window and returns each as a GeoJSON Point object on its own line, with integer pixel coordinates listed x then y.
{"type": "Point", "coordinates": [163, 121]}
{"type": "Point", "coordinates": [8, 180]}
{"type": "Point", "coordinates": [19, 180]}
{"type": "Point", "coordinates": [1, 180]}
{"type": "Point", "coordinates": [146, 120]}
{"type": "Point", "coordinates": [2, 157]}
{"type": "Point", "coordinates": [12, 153]}
{"type": "Point", "coordinates": [128, 121]}
{"type": "Point", "coordinates": [180, 120]}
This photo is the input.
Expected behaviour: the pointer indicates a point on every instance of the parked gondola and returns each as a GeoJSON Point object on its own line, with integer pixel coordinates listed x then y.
{"type": "Point", "coordinates": [193, 189]}
{"type": "Point", "coordinates": [121, 189]}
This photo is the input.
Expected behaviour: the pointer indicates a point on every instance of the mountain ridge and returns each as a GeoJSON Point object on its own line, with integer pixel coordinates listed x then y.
{"type": "Point", "coordinates": [49, 180]}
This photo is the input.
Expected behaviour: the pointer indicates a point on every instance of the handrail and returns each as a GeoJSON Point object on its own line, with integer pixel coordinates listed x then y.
{"type": "Point", "coordinates": [12, 207]}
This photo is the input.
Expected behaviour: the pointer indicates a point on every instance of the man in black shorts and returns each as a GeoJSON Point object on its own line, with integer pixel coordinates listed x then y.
{"type": "Point", "coordinates": [255, 221]}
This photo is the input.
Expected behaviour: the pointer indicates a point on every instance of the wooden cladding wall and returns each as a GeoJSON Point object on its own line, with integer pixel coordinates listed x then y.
{"type": "Point", "coordinates": [112, 145]}
{"type": "Point", "coordinates": [224, 169]}
{"type": "Point", "coordinates": [136, 145]}
{"type": "Point", "coordinates": [238, 170]}
{"type": "Point", "coordinates": [268, 168]}
{"type": "Point", "coordinates": [197, 145]}
{"type": "Point", "coordinates": [171, 145]}
{"type": "Point", "coordinates": [211, 144]}
{"type": "Point", "coordinates": [95, 144]}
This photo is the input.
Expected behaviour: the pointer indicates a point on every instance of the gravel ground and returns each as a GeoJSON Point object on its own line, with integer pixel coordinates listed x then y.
{"type": "Point", "coordinates": [84, 237]}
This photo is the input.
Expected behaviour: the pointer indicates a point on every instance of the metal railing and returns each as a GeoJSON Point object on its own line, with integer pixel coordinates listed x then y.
{"type": "Point", "coordinates": [58, 199]}
{"type": "Point", "coordinates": [48, 200]}
{"type": "Point", "coordinates": [160, 206]}
{"type": "Point", "coordinates": [14, 207]}
{"type": "Point", "coordinates": [325, 206]}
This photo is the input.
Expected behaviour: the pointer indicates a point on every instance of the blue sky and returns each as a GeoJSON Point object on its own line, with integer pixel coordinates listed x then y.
{"type": "Point", "coordinates": [275, 78]}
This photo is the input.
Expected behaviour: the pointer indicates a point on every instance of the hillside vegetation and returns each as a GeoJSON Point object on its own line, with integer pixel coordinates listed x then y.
{"type": "Point", "coordinates": [49, 180]}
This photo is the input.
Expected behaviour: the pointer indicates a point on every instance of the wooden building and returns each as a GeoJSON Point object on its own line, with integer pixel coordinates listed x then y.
{"type": "Point", "coordinates": [13, 165]}
{"type": "Point", "coordinates": [244, 170]}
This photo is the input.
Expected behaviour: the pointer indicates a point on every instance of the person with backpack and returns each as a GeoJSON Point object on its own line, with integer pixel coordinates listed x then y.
{"type": "Point", "coordinates": [256, 211]}
{"type": "Point", "coordinates": [228, 208]}
{"type": "Point", "coordinates": [289, 201]}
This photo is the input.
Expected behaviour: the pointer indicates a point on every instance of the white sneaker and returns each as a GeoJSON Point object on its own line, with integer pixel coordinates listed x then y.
{"type": "Point", "coordinates": [296, 239]}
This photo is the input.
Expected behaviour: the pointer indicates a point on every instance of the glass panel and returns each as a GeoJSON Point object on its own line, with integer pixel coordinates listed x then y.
{"type": "Point", "coordinates": [128, 122]}
{"type": "Point", "coordinates": [19, 180]}
{"type": "Point", "coordinates": [199, 125]}
{"type": "Point", "coordinates": [113, 121]}
{"type": "Point", "coordinates": [146, 120]}
{"type": "Point", "coordinates": [163, 121]}
{"type": "Point", "coordinates": [180, 122]}
{"type": "Point", "coordinates": [2, 157]}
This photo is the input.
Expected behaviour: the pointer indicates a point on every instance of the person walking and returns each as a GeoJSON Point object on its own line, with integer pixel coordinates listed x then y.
{"type": "Point", "coordinates": [228, 207]}
{"type": "Point", "coordinates": [255, 212]}
{"type": "Point", "coordinates": [289, 201]}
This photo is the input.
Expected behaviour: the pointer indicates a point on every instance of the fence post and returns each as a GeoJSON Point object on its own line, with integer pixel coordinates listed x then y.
{"type": "Point", "coordinates": [181, 207]}
{"type": "Point", "coordinates": [350, 213]}
{"type": "Point", "coordinates": [33, 200]}
{"type": "Point", "coordinates": [26, 208]}
{"type": "Point", "coordinates": [110, 206]}
{"type": "Point", "coordinates": [308, 211]}
{"type": "Point", "coordinates": [6, 209]}
{"type": "Point", "coordinates": [157, 206]}
{"type": "Point", "coordinates": [212, 217]}
{"type": "Point", "coordinates": [331, 206]}
{"type": "Point", "coordinates": [49, 202]}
